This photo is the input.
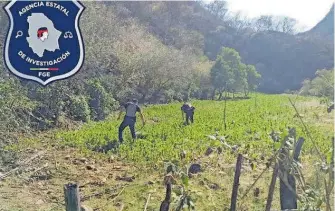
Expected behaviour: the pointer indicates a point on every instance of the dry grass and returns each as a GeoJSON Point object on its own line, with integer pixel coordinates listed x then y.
{"type": "Point", "coordinates": [210, 189]}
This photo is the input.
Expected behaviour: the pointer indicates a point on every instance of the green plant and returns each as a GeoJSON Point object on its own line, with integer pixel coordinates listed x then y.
{"type": "Point", "coordinates": [79, 109]}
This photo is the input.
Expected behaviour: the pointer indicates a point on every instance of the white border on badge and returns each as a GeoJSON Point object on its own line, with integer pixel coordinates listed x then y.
{"type": "Point", "coordinates": [59, 77]}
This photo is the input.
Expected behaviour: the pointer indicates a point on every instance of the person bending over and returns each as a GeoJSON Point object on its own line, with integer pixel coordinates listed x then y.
{"type": "Point", "coordinates": [131, 108]}
{"type": "Point", "coordinates": [188, 110]}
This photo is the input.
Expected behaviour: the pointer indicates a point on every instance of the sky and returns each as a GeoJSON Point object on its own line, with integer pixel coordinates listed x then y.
{"type": "Point", "coordinates": [307, 12]}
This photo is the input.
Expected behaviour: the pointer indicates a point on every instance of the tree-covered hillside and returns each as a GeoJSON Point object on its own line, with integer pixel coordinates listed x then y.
{"type": "Point", "coordinates": [325, 28]}
{"type": "Point", "coordinates": [165, 51]}
{"type": "Point", "coordinates": [284, 59]}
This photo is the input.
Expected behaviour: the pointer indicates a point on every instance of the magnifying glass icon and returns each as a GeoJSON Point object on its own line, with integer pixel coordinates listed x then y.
{"type": "Point", "coordinates": [19, 34]}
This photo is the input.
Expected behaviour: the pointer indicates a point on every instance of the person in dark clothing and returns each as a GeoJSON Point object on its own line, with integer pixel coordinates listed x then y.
{"type": "Point", "coordinates": [131, 108]}
{"type": "Point", "coordinates": [188, 110]}
{"type": "Point", "coordinates": [330, 108]}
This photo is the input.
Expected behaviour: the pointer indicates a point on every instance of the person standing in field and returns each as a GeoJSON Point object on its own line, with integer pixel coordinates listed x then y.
{"type": "Point", "coordinates": [131, 108]}
{"type": "Point", "coordinates": [188, 110]}
{"type": "Point", "coordinates": [330, 108]}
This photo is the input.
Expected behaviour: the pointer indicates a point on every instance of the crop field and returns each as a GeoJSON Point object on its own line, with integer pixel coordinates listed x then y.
{"type": "Point", "coordinates": [249, 124]}
{"type": "Point", "coordinates": [252, 126]}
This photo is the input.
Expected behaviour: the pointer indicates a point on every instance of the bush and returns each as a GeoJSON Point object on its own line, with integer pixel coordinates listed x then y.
{"type": "Point", "coordinates": [101, 102]}
{"type": "Point", "coordinates": [322, 85]}
{"type": "Point", "coordinates": [79, 109]}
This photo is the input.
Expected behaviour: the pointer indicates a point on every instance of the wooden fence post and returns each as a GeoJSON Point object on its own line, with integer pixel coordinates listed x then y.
{"type": "Point", "coordinates": [72, 199]}
{"type": "Point", "coordinates": [236, 182]}
{"type": "Point", "coordinates": [272, 187]}
{"type": "Point", "coordinates": [331, 179]}
{"type": "Point", "coordinates": [288, 198]}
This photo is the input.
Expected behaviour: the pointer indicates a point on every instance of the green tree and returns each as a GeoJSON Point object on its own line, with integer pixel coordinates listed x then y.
{"type": "Point", "coordinates": [79, 108]}
{"type": "Point", "coordinates": [218, 8]}
{"type": "Point", "coordinates": [322, 85]}
{"type": "Point", "coordinates": [228, 73]}
{"type": "Point", "coordinates": [253, 79]}
{"type": "Point", "coordinates": [100, 102]}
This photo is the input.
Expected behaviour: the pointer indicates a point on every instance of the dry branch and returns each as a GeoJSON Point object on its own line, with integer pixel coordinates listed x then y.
{"type": "Point", "coordinates": [147, 202]}
{"type": "Point", "coordinates": [236, 182]}
{"type": "Point", "coordinates": [307, 131]}
{"type": "Point", "coordinates": [20, 165]}
{"type": "Point", "coordinates": [272, 187]}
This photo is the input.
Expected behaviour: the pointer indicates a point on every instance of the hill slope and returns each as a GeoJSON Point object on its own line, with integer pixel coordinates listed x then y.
{"type": "Point", "coordinates": [284, 60]}
{"type": "Point", "coordinates": [325, 28]}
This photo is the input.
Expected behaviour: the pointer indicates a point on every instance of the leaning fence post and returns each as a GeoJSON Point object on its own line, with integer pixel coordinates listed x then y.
{"type": "Point", "coordinates": [236, 182]}
{"type": "Point", "coordinates": [331, 179]}
{"type": "Point", "coordinates": [72, 199]}
{"type": "Point", "coordinates": [288, 198]}
{"type": "Point", "coordinates": [272, 187]}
